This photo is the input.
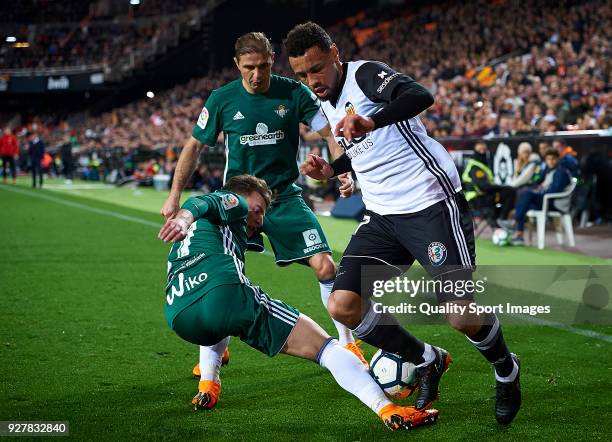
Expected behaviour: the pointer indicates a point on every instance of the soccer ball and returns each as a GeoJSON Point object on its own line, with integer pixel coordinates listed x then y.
{"type": "Point", "coordinates": [395, 376]}
{"type": "Point", "coordinates": [501, 237]}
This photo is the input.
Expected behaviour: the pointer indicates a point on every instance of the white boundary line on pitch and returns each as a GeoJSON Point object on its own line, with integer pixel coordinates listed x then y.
{"type": "Point", "coordinates": [569, 328]}
{"type": "Point", "coordinates": [526, 318]}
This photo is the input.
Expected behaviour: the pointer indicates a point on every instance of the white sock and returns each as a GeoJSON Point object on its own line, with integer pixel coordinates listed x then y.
{"type": "Point", "coordinates": [345, 336]}
{"type": "Point", "coordinates": [428, 355]}
{"type": "Point", "coordinates": [511, 377]}
{"type": "Point", "coordinates": [210, 360]}
{"type": "Point", "coordinates": [351, 375]}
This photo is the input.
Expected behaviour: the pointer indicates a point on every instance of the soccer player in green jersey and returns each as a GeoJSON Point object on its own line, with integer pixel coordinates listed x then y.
{"type": "Point", "coordinates": [259, 115]}
{"type": "Point", "coordinates": [208, 297]}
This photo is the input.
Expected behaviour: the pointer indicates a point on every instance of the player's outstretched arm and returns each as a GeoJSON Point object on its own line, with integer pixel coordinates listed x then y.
{"type": "Point", "coordinates": [175, 229]}
{"type": "Point", "coordinates": [188, 160]}
{"type": "Point", "coordinates": [354, 126]}
{"type": "Point", "coordinates": [316, 167]}
{"type": "Point", "coordinates": [347, 186]}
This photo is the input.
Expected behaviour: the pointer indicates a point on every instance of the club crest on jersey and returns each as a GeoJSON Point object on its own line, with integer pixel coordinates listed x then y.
{"type": "Point", "coordinates": [281, 111]}
{"type": "Point", "coordinates": [229, 201]}
{"type": "Point", "coordinates": [436, 253]}
{"type": "Point", "coordinates": [349, 108]}
{"type": "Point", "coordinates": [203, 118]}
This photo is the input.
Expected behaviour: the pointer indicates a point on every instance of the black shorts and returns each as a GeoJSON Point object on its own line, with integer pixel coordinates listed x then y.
{"type": "Point", "coordinates": [440, 238]}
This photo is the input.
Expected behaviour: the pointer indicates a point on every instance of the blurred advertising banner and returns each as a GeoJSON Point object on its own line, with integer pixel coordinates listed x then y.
{"type": "Point", "coordinates": [39, 84]}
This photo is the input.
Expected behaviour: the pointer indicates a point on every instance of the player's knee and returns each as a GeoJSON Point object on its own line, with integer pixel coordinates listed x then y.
{"type": "Point", "coordinates": [344, 309]}
{"type": "Point", "coordinates": [323, 265]}
{"type": "Point", "coordinates": [465, 324]}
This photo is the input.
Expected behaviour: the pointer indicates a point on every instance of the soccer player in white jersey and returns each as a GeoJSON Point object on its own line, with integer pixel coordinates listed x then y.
{"type": "Point", "coordinates": [415, 209]}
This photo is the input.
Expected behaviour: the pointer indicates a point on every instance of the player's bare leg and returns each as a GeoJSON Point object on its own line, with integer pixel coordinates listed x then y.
{"type": "Point", "coordinates": [308, 340]}
{"type": "Point", "coordinates": [325, 270]}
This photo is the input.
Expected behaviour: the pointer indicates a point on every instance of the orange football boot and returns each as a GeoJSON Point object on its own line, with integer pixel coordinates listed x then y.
{"type": "Point", "coordinates": [208, 395]}
{"type": "Point", "coordinates": [354, 348]}
{"type": "Point", "coordinates": [224, 361]}
{"type": "Point", "coordinates": [397, 417]}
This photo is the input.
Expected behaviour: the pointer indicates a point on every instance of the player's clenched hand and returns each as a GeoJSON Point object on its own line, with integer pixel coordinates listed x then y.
{"type": "Point", "coordinates": [347, 185]}
{"type": "Point", "coordinates": [174, 230]}
{"type": "Point", "coordinates": [354, 126]}
{"type": "Point", "coordinates": [316, 167]}
{"type": "Point", "coordinates": [170, 207]}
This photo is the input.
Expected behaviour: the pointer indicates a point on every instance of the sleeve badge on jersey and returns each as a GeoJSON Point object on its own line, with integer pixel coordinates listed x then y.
{"type": "Point", "coordinates": [203, 118]}
{"type": "Point", "coordinates": [229, 201]}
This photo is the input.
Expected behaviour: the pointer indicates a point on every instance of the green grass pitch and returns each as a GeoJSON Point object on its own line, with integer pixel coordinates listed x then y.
{"type": "Point", "coordinates": [83, 339]}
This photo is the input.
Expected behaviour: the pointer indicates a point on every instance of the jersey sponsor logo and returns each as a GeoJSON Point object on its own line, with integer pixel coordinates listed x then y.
{"type": "Point", "coordinates": [261, 128]}
{"type": "Point", "coordinates": [385, 83]}
{"type": "Point", "coordinates": [382, 74]}
{"type": "Point", "coordinates": [349, 108]}
{"type": "Point", "coordinates": [203, 118]}
{"type": "Point", "coordinates": [238, 116]}
{"type": "Point", "coordinates": [281, 111]}
{"type": "Point", "coordinates": [262, 136]}
{"type": "Point", "coordinates": [311, 237]}
{"type": "Point", "coordinates": [188, 284]}
{"type": "Point", "coordinates": [356, 147]}
{"type": "Point", "coordinates": [436, 251]}
{"type": "Point", "coordinates": [229, 201]}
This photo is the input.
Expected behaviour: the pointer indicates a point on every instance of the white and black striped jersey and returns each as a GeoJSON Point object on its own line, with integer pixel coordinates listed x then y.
{"type": "Point", "coordinates": [400, 168]}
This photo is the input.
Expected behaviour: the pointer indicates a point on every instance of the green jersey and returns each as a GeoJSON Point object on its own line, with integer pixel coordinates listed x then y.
{"type": "Point", "coordinates": [212, 254]}
{"type": "Point", "coordinates": [261, 130]}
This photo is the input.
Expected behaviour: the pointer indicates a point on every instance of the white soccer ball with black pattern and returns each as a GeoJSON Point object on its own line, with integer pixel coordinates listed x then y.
{"type": "Point", "coordinates": [394, 375]}
{"type": "Point", "coordinates": [501, 237]}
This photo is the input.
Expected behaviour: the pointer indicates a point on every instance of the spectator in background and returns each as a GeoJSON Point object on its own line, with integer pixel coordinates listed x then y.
{"type": "Point", "coordinates": [215, 182]}
{"type": "Point", "coordinates": [482, 192]}
{"type": "Point", "coordinates": [557, 178]}
{"type": "Point", "coordinates": [9, 151]}
{"type": "Point", "coordinates": [67, 161]}
{"type": "Point", "coordinates": [525, 166]}
{"type": "Point", "coordinates": [567, 156]}
{"type": "Point", "coordinates": [36, 150]}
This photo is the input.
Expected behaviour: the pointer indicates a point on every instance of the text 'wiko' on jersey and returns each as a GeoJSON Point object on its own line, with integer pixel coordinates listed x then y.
{"type": "Point", "coordinates": [399, 167]}
{"type": "Point", "coordinates": [261, 130]}
{"type": "Point", "coordinates": [215, 246]}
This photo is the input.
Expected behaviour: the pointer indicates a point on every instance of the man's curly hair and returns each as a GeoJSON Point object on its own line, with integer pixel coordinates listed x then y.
{"type": "Point", "coordinates": [304, 36]}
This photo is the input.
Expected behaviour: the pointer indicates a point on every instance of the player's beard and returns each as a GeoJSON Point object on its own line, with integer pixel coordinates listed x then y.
{"type": "Point", "coordinates": [331, 90]}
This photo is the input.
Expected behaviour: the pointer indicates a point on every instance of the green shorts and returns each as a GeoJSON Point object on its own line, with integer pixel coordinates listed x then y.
{"type": "Point", "coordinates": [238, 310]}
{"type": "Point", "coordinates": [293, 231]}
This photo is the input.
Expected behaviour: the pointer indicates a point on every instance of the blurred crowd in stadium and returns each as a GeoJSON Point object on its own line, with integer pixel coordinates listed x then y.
{"type": "Point", "coordinates": [64, 34]}
{"type": "Point", "coordinates": [496, 68]}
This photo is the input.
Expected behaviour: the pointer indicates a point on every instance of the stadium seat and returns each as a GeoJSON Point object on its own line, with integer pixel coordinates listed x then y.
{"type": "Point", "coordinates": [541, 216]}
